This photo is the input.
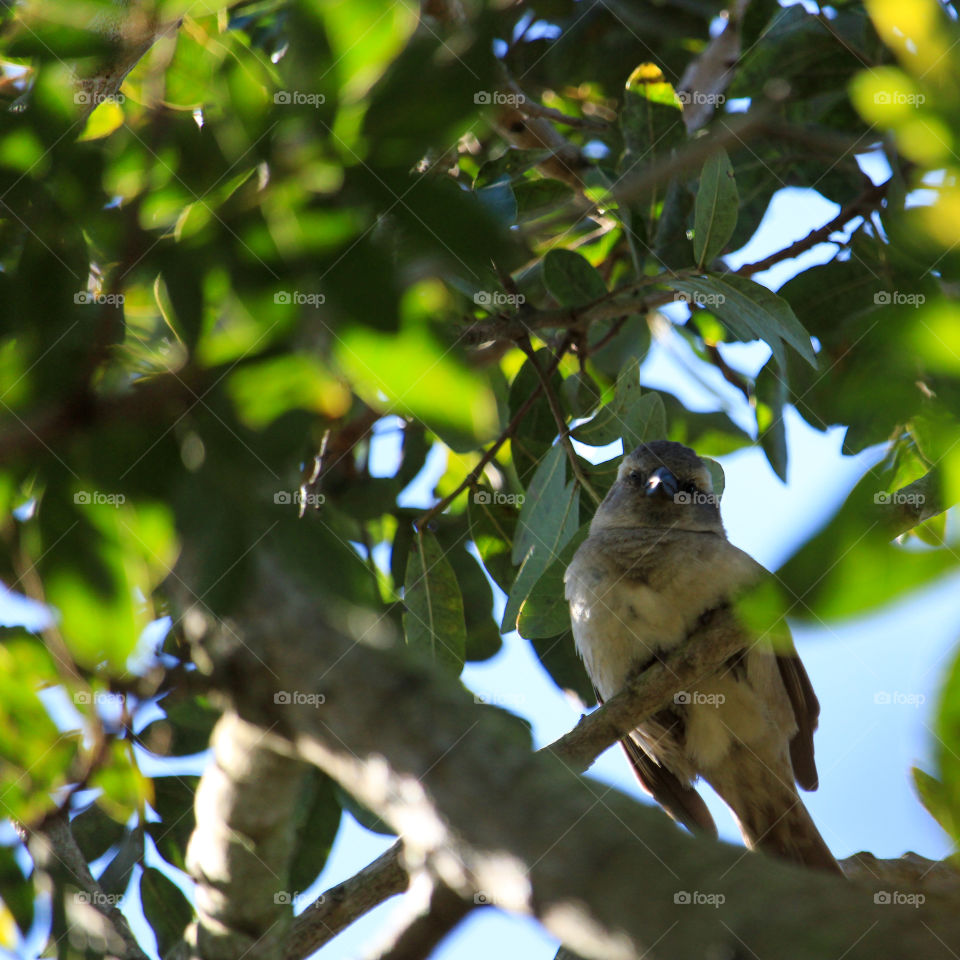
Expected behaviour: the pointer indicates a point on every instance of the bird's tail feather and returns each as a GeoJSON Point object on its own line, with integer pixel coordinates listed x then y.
{"type": "Point", "coordinates": [768, 808]}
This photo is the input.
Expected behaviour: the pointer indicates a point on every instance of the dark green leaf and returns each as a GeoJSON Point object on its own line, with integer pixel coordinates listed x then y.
{"type": "Point", "coordinates": [95, 832]}
{"type": "Point", "coordinates": [166, 908]}
{"type": "Point", "coordinates": [545, 613]}
{"type": "Point", "coordinates": [715, 213]}
{"type": "Point", "coordinates": [318, 820]}
{"type": "Point", "coordinates": [571, 279]}
{"type": "Point", "coordinates": [433, 620]}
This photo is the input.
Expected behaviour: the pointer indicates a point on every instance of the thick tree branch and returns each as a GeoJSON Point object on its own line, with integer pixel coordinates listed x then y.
{"type": "Point", "coordinates": [93, 917]}
{"type": "Point", "coordinates": [608, 876]}
{"type": "Point", "coordinates": [241, 847]}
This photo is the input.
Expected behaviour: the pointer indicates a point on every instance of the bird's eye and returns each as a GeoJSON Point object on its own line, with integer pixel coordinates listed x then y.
{"type": "Point", "coordinates": [636, 477]}
{"type": "Point", "coordinates": [689, 487]}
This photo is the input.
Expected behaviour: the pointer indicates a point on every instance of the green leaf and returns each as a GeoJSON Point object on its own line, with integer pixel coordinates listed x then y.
{"type": "Point", "coordinates": [18, 892]}
{"type": "Point", "coordinates": [95, 832]}
{"type": "Point", "coordinates": [115, 877]}
{"type": "Point", "coordinates": [771, 395]}
{"type": "Point", "coordinates": [433, 619]}
{"type": "Point", "coordinates": [538, 515]}
{"type": "Point", "coordinates": [559, 658]}
{"type": "Point", "coordinates": [166, 908]}
{"type": "Point", "coordinates": [493, 521]}
{"type": "Point", "coordinates": [571, 279]}
{"type": "Point", "coordinates": [937, 801]}
{"type": "Point", "coordinates": [715, 212]}
{"type": "Point", "coordinates": [540, 196]}
{"type": "Point", "coordinates": [318, 820]}
{"type": "Point", "coordinates": [363, 816]}
{"type": "Point", "coordinates": [633, 415]}
{"type": "Point", "coordinates": [510, 164]}
{"type": "Point", "coordinates": [173, 800]}
{"type": "Point", "coordinates": [184, 731]}
{"type": "Point", "coordinates": [545, 612]}
{"type": "Point", "coordinates": [538, 428]}
{"type": "Point", "coordinates": [744, 305]}
{"type": "Point", "coordinates": [551, 519]}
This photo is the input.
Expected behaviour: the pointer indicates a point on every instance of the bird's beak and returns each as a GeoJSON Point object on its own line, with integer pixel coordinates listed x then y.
{"type": "Point", "coordinates": [662, 483]}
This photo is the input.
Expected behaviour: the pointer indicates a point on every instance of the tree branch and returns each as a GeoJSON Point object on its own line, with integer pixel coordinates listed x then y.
{"type": "Point", "coordinates": [339, 906]}
{"type": "Point", "coordinates": [601, 872]}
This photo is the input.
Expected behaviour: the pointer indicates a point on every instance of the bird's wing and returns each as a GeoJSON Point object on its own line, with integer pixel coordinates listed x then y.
{"type": "Point", "coordinates": [806, 708]}
{"type": "Point", "coordinates": [679, 799]}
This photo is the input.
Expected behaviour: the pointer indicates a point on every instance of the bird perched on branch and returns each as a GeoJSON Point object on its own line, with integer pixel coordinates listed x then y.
{"type": "Point", "coordinates": [656, 560]}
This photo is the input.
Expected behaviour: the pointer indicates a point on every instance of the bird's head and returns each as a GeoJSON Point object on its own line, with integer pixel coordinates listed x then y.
{"type": "Point", "coordinates": [661, 484]}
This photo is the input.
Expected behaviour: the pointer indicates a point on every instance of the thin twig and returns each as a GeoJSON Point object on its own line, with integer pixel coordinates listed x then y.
{"type": "Point", "coordinates": [868, 200]}
{"type": "Point", "coordinates": [561, 421]}
{"type": "Point", "coordinates": [474, 475]}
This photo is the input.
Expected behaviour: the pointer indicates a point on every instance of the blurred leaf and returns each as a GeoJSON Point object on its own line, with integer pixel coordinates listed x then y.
{"type": "Point", "coordinates": [433, 620]}
{"type": "Point", "coordinates": [571, 279]}
{"type": "Point", "coordinates": [360, 813]}
{"type": "Point", "coordinates": [115, 877]}
{"type": "Point", "coordinates": [715, 215]}
{"type": "Point", "coordinates": [749, 308]}
{"type": "Point", "coordinates": [771, 395]}
{"type": "Point", "coordinates": [18, 892]}
{"type": "Point", "coordinates": [318, 820]}
{"type": "Point", "coordinates": [184, 731]}
{"type": "Point", "coordinates": [545, 613]}
{"type": "Point", "coordinates": [559, 658]}
{"type": "Point", "coordinates": [173, 800]}
{"type": "Point", "coordinates": [493, 521]}
{"type": "Point", "coordinates": [634, 415]}
{"type": "Point", "coordinates": [166, 908]}
{"type": "Point", "coordinates": [95, 831]}
{"type": "Point", "coordinates": [937, 800]}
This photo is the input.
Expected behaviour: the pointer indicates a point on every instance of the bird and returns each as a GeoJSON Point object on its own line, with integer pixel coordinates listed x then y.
{"type": "Point", "coordinates": [655, 561]}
